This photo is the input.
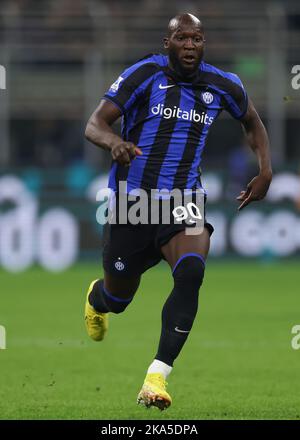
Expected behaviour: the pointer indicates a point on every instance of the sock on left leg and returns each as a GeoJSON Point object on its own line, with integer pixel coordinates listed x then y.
{"type": "Point", "coordinates": [97, 298]}
{"type": "Point", "coordinates": [105, 302]}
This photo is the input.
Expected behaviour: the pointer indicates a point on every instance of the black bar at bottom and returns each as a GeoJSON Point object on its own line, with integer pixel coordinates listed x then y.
{"type": "Point", "coordinates": [93, 429]}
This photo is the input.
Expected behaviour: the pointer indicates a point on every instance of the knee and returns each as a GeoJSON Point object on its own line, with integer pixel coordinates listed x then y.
{"type": "Point", "coordinates": [189, 271]}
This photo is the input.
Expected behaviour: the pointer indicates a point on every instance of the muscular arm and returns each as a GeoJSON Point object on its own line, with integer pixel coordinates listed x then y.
{"type": "Point", "coordinates": [258, 140]}
{"type": "Point", "coordinates": [99, 132]}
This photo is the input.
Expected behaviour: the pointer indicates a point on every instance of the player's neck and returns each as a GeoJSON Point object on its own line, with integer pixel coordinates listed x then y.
{"type": "Point", "coordinates": [182, 76]}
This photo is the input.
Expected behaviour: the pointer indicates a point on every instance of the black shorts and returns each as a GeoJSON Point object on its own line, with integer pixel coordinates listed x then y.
{"type": "Point", "coordinates": [129, 250]}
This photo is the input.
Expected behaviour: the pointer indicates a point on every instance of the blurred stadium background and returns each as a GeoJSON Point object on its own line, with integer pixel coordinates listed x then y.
{"type": "Point", "coordinates": [60, 57]}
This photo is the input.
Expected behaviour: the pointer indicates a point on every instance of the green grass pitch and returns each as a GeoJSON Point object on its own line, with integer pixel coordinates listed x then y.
{"type": "Point", "coordinates": [238, 362]}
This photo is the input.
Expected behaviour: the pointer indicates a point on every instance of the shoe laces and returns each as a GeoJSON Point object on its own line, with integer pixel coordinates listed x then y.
{"type": "Point", "coordinates": [159, 380]}
{"type": "Point", "coordinates": [97, 318]}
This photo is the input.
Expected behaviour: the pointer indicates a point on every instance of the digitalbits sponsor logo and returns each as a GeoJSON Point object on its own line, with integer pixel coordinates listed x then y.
{"type": "Point", "coordinates": [207, 97]}
{"type": "Point", "coordinates": [2, 338]}
{"type": "Point", "coordinates": [2, 78]}
{"type": "Point", "coordinates": [177, 112]}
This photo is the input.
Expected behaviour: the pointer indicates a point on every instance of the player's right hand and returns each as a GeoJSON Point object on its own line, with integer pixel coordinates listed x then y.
{"type": "Point", "coordinates": [125, 152]}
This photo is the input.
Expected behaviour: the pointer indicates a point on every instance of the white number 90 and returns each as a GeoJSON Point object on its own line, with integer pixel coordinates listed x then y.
{"type": "Point", "coordinates": [191, 210]}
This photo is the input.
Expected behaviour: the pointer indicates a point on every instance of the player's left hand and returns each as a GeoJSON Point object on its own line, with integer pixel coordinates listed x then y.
{"type": "Point", "coordinates": [256, 190]}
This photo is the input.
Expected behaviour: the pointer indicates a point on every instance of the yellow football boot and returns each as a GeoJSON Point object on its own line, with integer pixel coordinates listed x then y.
{"type": "Point", "coordinates": [153, 392]}
{"type": "Point", "coordinates": [96, 322]}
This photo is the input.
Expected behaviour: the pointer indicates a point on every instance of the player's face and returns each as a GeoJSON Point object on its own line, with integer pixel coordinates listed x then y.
{"type": "Point", "coordinates": [185, 48]}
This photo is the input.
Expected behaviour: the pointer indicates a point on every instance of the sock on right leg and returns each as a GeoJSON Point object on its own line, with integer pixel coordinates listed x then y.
{"type": "Point", "coordinates": [104, 302]}
{"type": "Point", "coordinates": [97, 299]}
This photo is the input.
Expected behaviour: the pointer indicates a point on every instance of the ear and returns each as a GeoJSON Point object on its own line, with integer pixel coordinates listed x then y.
{"type": "Point", "coordinates": [166, 43]}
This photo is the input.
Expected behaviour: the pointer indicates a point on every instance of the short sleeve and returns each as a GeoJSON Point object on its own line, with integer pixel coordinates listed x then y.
{"type": "Point", "coordinates": [235, 97]}
{"type": "Point", "coordinates": [130, 85]}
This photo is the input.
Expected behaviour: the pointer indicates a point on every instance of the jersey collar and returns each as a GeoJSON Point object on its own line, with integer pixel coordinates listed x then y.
{"type": "Point", "coordinates": [195, 81]}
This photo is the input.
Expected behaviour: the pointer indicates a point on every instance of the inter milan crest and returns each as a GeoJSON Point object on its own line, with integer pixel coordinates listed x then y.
{"type": "Point", "coordinates": [119, 265]}
{"type": "Point", "coordinates": [207, 97]}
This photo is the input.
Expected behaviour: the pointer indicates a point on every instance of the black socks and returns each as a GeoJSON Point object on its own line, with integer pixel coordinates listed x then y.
{"type": "Point", "coordinates": [180, 309]}
{"type": "Point", "coordinates": [104, 302]}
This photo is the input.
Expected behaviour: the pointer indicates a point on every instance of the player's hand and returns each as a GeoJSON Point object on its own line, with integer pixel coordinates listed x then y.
{"type": "Point", "coordinates": [125, 152]}
{"type": "Point", "coordinates": [256, 190]}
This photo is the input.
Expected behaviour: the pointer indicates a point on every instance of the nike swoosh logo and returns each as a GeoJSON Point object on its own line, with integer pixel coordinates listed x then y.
{"type": "Point", "coordinates": [166, 87]}
{"type": "Point", "coordinates": [181, 331]}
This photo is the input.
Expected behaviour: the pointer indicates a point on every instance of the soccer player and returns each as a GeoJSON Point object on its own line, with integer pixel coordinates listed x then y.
{"type": "Point", "coordinates": [168, 104]}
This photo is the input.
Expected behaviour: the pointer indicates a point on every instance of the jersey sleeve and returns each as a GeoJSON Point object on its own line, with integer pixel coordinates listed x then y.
{"type": "Point", "coordinates": [130, 85]}
{"type": "Point", "coordinates": [236, 98]}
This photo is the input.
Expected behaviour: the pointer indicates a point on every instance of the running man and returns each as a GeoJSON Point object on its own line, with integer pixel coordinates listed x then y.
{"type": "Point", "coordinates": [167, 104]}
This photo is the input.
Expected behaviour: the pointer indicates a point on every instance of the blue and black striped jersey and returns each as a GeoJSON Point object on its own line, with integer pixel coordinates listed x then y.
{"type": "Point", "coordinates": [169, 120]}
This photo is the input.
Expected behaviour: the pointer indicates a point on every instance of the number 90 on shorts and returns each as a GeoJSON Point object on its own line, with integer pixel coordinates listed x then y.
{"type": "Point", "coordinates": [192, 214]}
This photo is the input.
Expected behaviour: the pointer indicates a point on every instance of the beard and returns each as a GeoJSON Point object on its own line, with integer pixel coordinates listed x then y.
{"type": "Point", "coordinates": [186, 73]}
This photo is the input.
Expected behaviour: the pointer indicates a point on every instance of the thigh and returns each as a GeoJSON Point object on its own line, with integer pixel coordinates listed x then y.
{"type": "Point", "coordinates": [127, 252]}
{"type": "Point", "coordinates": [123, 288]}
{"type": "Point", "coordinates": [182, 243]}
